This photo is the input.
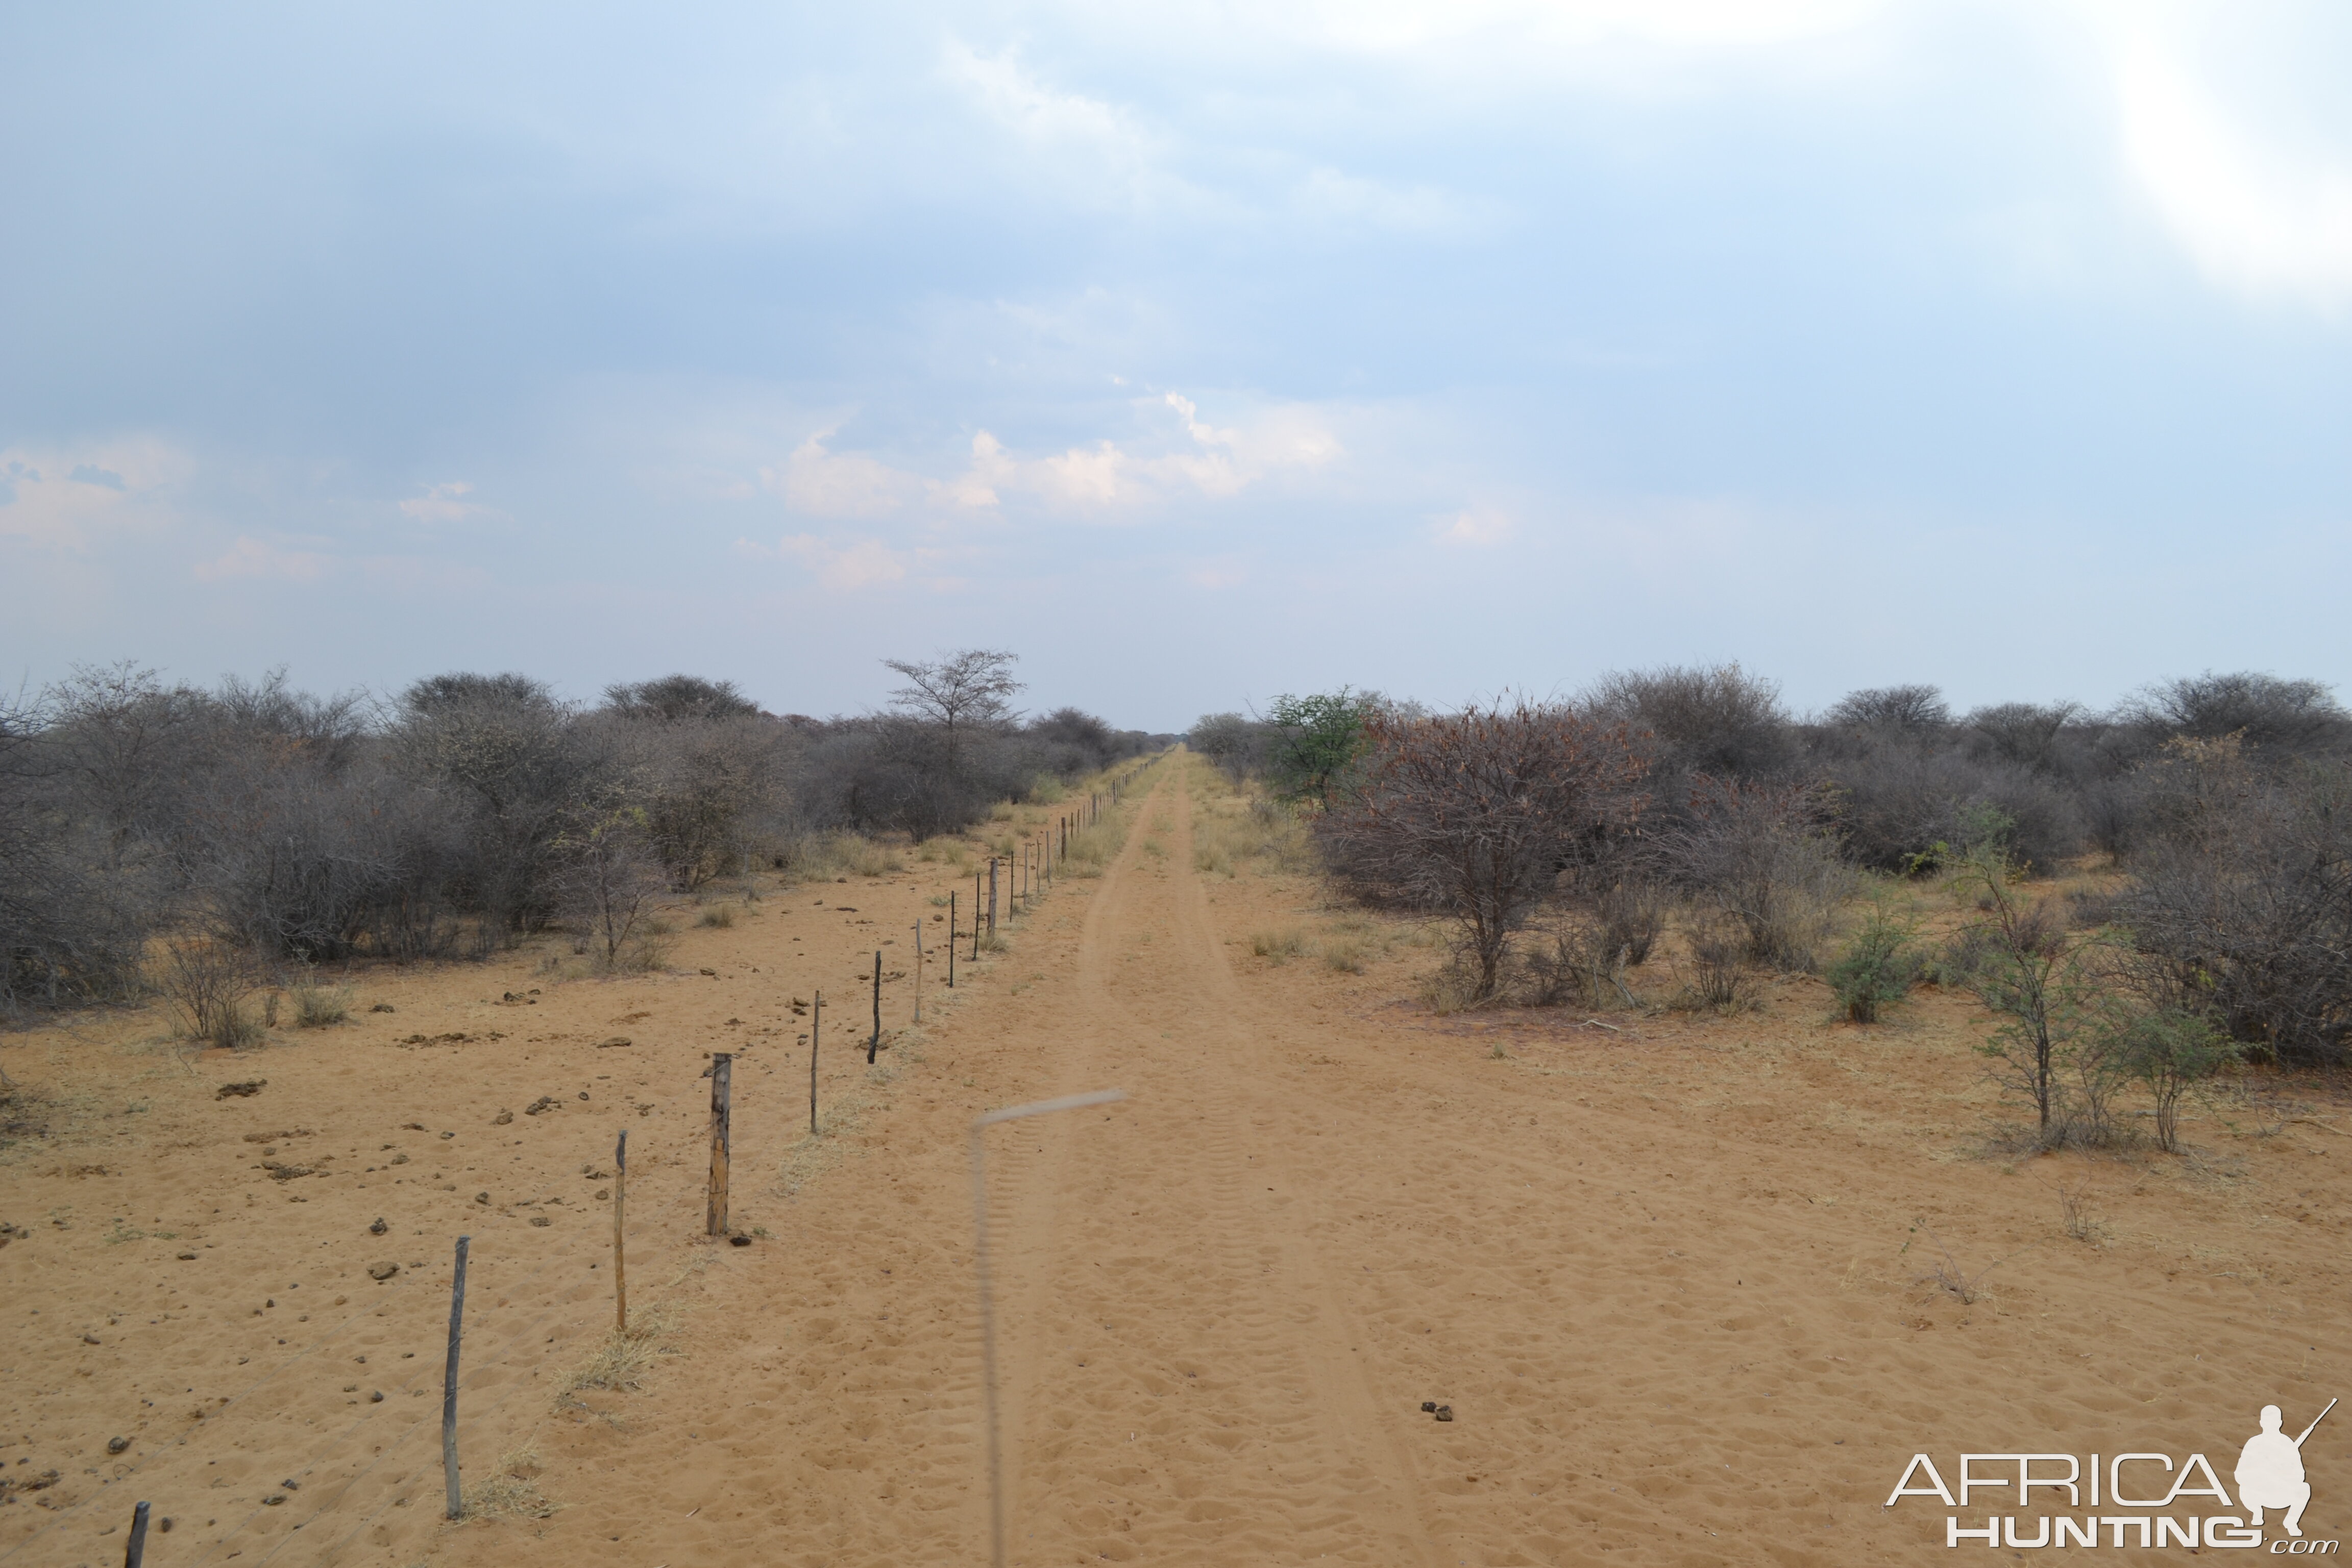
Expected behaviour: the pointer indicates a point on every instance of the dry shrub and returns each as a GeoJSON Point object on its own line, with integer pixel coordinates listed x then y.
{"type": "Point", "coordinates": [1632, 916]}
{"type": "Point", "coordinates": [1718, 970]}
{"type": "Point", "coordinates": [720, 917]}
{"type": "Point", "coordinates": [2081, 1217]}
{"type": "Point", "coordinates": [1475, 814]}
{"type": "Point", "coordinates": [207, 982]}
{"type": "Point", "coordinates": [2240, 906]}
{"type": "Point", "coordinates": [1583, 965]}
{"type": "Point", "coordinates": [1763, 858]}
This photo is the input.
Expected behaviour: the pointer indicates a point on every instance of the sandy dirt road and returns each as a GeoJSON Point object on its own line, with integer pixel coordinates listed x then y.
{"type": "Point", "coordinates": [1673, 1274]}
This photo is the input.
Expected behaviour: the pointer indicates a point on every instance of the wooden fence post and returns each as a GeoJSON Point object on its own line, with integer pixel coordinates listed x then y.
{"type": "Point", "coordinates": [992, 898]}
{"type": "Point", "coordinates": [722, 1071]}
{"type": "Point", "coordinates": [136, 1552]}
{"type": "Point", "coordinates": [875, 1044]}
{"type": "Point", "coordinates": [816, 1022]}
{"type": "Point", "coordinates": [620, 1253]}
{"type": "Point", "coordinates": [919, 969]}
{"type": "Point", "coordinates": [951, 940]}
{"type": "Point", "coordinates": [449, 1384]}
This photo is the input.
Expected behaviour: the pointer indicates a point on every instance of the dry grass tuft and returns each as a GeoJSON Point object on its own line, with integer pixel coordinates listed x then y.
{"type": "Point", "coordinates": [1278, 946]}
{"type": "Point", "coordinates": [721, 916]}
{"type": "Point", "coordinates": [511, 1492]}
{"type": "Point", "coordinates": [620, 1362]}
{"type": "Point", "coordinates": [315, 1006]}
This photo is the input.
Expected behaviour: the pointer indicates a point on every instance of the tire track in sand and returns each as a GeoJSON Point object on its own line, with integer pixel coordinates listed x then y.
{"type": "Point", "coordinates": [1183, 1384]}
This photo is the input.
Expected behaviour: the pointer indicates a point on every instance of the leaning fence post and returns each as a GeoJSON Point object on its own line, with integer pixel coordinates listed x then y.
{"type": "Point", "coordinates": [136, 1552]}
{"type": "Point", "coordinates": [450, 1384]}
{"type": "Point", "coordinates": [620, 1254]}
{"type": "Point", "coordinates": [875, 1044]}
{"type": "Point", "coordinates": [722, 1070]}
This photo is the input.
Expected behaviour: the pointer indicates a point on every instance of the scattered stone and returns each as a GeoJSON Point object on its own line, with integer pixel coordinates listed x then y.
{"type": "Point", "coordinates": [502, 1118]}
{"type": "Point", "coordinates": [481, 1197]}
{"type": "Point", "coordinates": [603, 1194]}
{"type": "Point", "coordinates": [540, 1220]}
{"type": "Point", "coordinates": [376, 1398]}
{"type": "Point", "coordinates": [412, 1127]}
{"type": "Point", "coordinates": [273, 1499]}
{"type": "Point", "coordinates": [739, 1239]}
{"type": "Point", "coordinates": [584, 1094]}
{"type": "Point", "coordinates": [612, 1044]}
{"type": "Point", "coordinates": [379, 1227]}
{"type": "Point", "coordinates": [544, 1102]}
{"type": "Point", "coordinates": [289, 1486]}
{"type": "Point", "coordinates": [1429, 1407]}
{"type": "Point", "coordinates": [1445, 1413]}
{"type": "Point", "coordinates": [711, 972]}
{"type": "Point", "coordinates": [283, 1173]}
{"type": "Point", "coordinates": [379, 1272]}
{"type": "Point", "coordinates": [116, 1445]}
{"type": "Point", "coordinates": [163, 1525]}
{"type": "Point", "coordinates": [89, 1339]}
{"type": "Point", "coordinates": [246, 1091]}
{"type": "Point", "coordinates": [187, 1257]}
{"type": "Point", "coordinates": [452, 1134]}
{"type": "Point", "coordinates": [383, 1007]}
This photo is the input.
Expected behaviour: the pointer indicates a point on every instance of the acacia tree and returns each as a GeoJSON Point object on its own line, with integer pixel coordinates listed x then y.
{"type": "Point", "coordinates": [1477, 814]}
{"type": "Point", "coordinates": [958, 691]}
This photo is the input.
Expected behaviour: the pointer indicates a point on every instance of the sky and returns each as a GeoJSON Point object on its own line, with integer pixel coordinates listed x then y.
{"type": "Point", "coordinates": [1195, 353]}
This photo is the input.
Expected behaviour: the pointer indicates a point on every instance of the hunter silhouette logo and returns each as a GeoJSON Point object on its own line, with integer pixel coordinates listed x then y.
{"type": "Point", "coordinates": [2128, 1500]}
{"type": "Point", "coordinates": [2270, 1471]}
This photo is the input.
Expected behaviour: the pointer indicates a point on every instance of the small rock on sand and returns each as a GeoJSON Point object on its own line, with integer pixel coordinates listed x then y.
{"type": "Point", "coordinates": [379, 1272]}
{"type": "Point", "coordinates": [379, 1227]}
{"type": "Point", "coordinates": [246, 1091]}
{"type": "Point", "coordinates": [612, 1042]}
{"type": "Point", "coordinates": [116, 1445]}
{"type": "Point", "coordinates": [502, 1118]}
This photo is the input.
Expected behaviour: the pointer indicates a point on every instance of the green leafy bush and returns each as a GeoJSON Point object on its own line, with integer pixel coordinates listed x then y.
{"type": "Point", "coordinates": [1877, 970]}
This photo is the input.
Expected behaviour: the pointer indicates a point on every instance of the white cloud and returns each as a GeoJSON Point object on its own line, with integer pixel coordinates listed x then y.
{"type": "Point", "coordinates": [2264, 220]}
{"type": "Point", "coordinates": [1017, 100]}
{"type": "Point", "coordinates": [1389, 25]}
{"type": "Point", "coordinates": [830, 484]}
{"type": "Point", "coordinates": [843, 565]}
{"type": "Point", "coordinates": [447, 503]}
{"type": "Point", "coordinates": [1476, 527]}
{"type": "Point", "coordinates": [1106, 475]}
{"type": "Point", "coordinates": [71, 497]}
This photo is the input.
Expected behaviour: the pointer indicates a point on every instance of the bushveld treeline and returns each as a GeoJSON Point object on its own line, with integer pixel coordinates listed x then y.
{"type": "Point", "coordinates": [464, 812]}
{"type": "Point", "coordinates": [1566, 837]}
